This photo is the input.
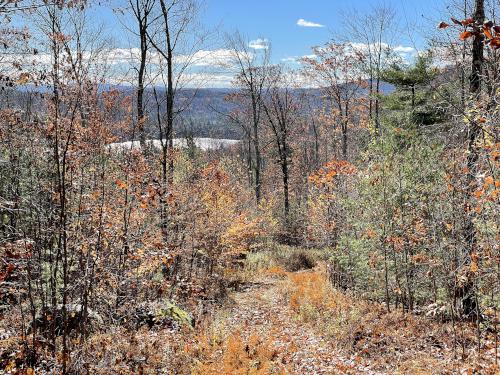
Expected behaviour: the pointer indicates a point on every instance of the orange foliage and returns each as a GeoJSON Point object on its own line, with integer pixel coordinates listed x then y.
{"type": "Point", "coordinates": [488, 29]}
{"type": "Point", "coordinates": [312, 294]}
{"type": "Point", "coordinates": [241, 235]}
{"type": "Point", "coordinates": [237, 355]}
{"type": "Point", "coordinates": [327, 174]}
{"type": "Point", "coordinates": [276, 271]}
{"type": "Point", "coordinates": [371, 333]}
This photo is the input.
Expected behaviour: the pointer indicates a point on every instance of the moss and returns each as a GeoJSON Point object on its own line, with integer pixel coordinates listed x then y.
{"type": "Point", "coordinates": [176, 313]}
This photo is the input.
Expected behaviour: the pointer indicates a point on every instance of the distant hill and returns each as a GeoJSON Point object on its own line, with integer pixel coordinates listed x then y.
{"type": "Point", "coordinates": [202, 115]}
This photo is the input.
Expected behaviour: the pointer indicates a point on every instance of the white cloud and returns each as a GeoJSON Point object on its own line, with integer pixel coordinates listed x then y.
{"type": "Point", "coordinates": [201, 58]}
{"type": "Point", "coordinates": [259, 44]}
{"type": "Point", "coordinates": [206, 68]}
{"type": "Point", "coordinates": [406, 53]}
{"type": "Point", "coordinates": [303, 23]}
{"type": "Point", "coordinates": [363, 47]}
{"type": "Point", "coordinates": [403, 49]}
{"type": "Point", "coordinates": [208, 58]}
{"type": "Point", "coordinates": [208, 80]}
{"type": "Point", "coordinates": [130, 56]}
{"type": "Point", "coordinates": [444, 56]}
{"type": "Point", "coordinates": [297, 59]}
{"type": "Point", "coordinates": [299, 79]}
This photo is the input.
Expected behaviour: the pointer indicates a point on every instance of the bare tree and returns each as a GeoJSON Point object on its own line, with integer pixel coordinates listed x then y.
{"type": "Point", "coordinates": [469, 299]}
{"type": "Point", "coordinates": [281, 105]}
{"type": "Point", "coordinates": [72, 78]}
{"type": "Point", "coordinates": [335, 69]}
{"type": "Point", "coordinates": [252, 69]}
{"type": "Point", "coordinates": [142, 11]}
{"type": "Point", "coordinates": [373, 32]}
{"type": "Point", "coordinates": [176, 38]}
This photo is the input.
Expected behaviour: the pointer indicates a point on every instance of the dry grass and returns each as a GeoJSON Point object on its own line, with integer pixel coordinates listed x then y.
{"type": "Point", "coordinates": [276, 271]}
{"type": "Point", "coordinates": [235, 355]}
{"type": "Point", "coordinates": [405, 343]}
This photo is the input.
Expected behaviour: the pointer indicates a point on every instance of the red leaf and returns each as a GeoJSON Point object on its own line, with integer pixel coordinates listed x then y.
{"type": "Point", "coordinates": [465, 35]}
{"type": "Point", "coordinates": [488, 24]}
{"type": "Point", "coordinates": [468, 21]}
{"type": "Point", "coordinates": [456, 21]}
{"type": "Point", "coordinates": [443, 25]}
{"type": "Point", "coordinates": [488, 34]}
{"type": "Point", "coordinates": [497, 29]}
{"type": "Point", "coordinates": [8, 271]}
{"type": "Point", "coordinates": [495, 43]}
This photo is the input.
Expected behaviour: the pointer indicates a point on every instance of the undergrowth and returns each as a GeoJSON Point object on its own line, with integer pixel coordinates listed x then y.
{"type": "Point", "coordinates": [284, 257]}
{"type": "Point", "coordinates": [411, 344]}
{"type": "Point", "coordinates": [236, 355]}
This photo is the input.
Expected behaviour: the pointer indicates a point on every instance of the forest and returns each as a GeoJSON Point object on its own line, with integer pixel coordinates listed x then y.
{"type": "Point", "coordinates": [331, 213]}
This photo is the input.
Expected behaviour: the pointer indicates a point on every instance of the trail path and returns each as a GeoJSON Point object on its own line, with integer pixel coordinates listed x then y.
{"type": "Point", "coordinates": [262, 309]}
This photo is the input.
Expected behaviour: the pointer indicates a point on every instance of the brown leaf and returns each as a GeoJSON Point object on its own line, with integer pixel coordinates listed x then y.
{"type": "Point", "coordinates": [23, 79]}
{"type": "Point", "coordinates": [443, 25]}
{"type": "Point", "coordinates": [121, 184]}
{"type": "Point", "coordinates": [473, 267]}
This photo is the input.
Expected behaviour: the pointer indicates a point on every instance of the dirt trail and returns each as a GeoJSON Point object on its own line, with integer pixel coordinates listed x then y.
{"type": "Point", "coordinates": [261, 308]}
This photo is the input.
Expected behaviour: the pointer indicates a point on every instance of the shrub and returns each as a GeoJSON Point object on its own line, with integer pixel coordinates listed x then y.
{"type": "Point", "coordinates": [237, 355]}
{"type": "Point", "coordinates": [299, 260]}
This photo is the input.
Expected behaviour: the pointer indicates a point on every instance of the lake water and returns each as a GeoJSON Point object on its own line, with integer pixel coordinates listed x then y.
{"type": "Point", "coordinates": [202, 143]}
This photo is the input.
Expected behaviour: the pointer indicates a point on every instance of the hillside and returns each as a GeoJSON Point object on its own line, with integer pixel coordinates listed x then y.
{"type": "Point", "coordinates": [315, 195]}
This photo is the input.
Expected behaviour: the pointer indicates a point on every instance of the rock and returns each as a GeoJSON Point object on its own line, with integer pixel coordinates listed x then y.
{"type": "Point", "coordinates": [162, 313]}
{"type": "Point", "coordinates": [175, 312]}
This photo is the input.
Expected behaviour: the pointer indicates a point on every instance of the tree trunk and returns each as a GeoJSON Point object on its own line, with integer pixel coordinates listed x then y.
{"type": "Point", "coordinates": [345, 129]}
{"type": "Point", "coordinates": [316, 145]}
{"type": "Point", "coordinates": [140, 88]}
{"type": "Point", "coordinates": [413, 97]}
{"type": "Point", "coordinates": [377, 89]}
{"type": "Point", "coordinates": [167, 156]}
{"type": "Point", "coordinates": [469, 304]}
{"type": "Point", "coordinates": [258, 156]}
{"type": "Point", "coordinates": [284, 169]}
{"type": "Point", "coordinates": [344, 141]}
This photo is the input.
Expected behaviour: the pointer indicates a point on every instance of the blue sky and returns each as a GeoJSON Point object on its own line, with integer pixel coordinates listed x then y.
{"type": "Point", "coordinates": [276, 20]}
{"type": "Point", "coordinates": [292, 27]}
